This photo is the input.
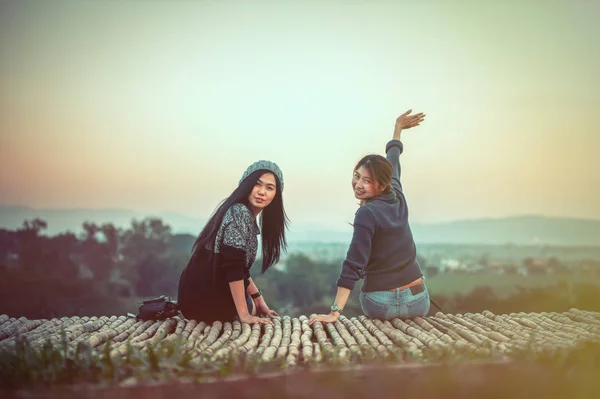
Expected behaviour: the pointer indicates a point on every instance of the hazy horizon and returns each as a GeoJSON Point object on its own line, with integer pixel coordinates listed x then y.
{"type": "Point", "coordinates": [206, 216]}
{"type": "Point", "coordinates": [160, 106]}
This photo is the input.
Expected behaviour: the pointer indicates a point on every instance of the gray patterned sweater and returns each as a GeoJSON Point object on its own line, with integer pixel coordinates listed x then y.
{"type": "Point", "coordinates": [204, 292]}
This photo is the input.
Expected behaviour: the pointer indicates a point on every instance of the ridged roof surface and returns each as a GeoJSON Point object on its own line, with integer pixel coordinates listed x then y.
{"type": "Point", "coordinates": [293, 341]}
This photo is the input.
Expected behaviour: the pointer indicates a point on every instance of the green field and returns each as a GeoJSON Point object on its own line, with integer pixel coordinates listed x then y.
{"type": "Point", "coordinates": [503, 284]}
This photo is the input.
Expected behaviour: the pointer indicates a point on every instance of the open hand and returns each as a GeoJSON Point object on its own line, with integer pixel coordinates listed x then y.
{"type": "Point", "coordinates": [324, 318]}
{"type": "Point", "coordinates": [406, 121]}
{"type": "Point", "coordinates": [255, 320]}
{"type": "Point", "coordinates": [263, 308]}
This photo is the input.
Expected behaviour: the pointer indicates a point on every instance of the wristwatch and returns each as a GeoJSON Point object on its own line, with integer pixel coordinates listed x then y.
{"type": "Point", "coordinates": [336, 308]}
{"type": "Point", "coordinates": [254, 296]}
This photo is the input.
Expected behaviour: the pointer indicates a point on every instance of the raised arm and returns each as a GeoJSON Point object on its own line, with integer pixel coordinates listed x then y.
{"type": "Point", "coordinates": [394, 148]}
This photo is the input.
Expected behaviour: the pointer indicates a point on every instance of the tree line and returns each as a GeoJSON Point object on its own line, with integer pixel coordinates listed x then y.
{"type": "Point", "coordinates": [44, 276]}
{"type": "Point", "coordinates": [106, 270]}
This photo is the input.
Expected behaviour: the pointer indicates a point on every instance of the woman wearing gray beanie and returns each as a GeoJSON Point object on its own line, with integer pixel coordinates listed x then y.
{"type": "Point", "coordinates": [216, 283]}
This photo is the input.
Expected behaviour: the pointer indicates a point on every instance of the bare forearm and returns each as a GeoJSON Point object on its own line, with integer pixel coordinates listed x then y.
{"type": "Point", "coordinates": [342, 297]}
{"type": "Point", "coordinates": [397, 132]}
{"type": "Point", "coordinates": [252, 288]}
{"type": "Point", "coordinates": [239, 297]}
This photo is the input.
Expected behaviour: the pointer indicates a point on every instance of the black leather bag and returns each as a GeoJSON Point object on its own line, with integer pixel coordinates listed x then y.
{"type": "Point", "coordinates": [157, 309]}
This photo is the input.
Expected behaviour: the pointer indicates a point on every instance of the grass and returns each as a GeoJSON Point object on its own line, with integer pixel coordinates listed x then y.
{"type": "Point", "coordinates": [166, 363]}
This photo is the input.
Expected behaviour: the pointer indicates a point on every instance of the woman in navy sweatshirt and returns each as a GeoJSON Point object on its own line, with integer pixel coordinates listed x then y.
{"type": "Point", "coordinates": [382, 250]}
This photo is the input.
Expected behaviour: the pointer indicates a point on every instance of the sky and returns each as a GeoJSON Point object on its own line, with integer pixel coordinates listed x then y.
{"type": "Point", "coordinates": [161, 105]}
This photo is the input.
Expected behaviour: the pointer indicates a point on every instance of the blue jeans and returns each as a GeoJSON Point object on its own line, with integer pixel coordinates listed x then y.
{"type": "Point", "coordinates": [387, 305]}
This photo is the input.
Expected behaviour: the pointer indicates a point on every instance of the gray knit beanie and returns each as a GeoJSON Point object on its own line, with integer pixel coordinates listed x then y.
{"type": "Point", "coordinates": [267, 165]}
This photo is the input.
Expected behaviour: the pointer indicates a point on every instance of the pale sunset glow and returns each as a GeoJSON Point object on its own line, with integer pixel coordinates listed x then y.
{"type": "Point", "coordinates": [161, 105]}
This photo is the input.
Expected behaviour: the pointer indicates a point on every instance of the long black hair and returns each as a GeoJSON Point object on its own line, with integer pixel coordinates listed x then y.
{"type": "Point", "coordinates": [273, 220]}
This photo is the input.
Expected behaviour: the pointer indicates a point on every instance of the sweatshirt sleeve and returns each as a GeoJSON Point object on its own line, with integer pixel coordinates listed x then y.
{"type": "Point", "coordinates": [233, 254]}
{"type": "Point", "coordinates": [359, 252]}
{"type": "Point", "coordinates": [393, 149]}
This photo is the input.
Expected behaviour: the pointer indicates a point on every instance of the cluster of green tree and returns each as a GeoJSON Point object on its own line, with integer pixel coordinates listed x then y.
{"type": "Point", "coordinates": [307, 286]}
{"type": "Point", "coordinates": [44, 276]}
{"type": "Point", "coordinates": [106, 270]}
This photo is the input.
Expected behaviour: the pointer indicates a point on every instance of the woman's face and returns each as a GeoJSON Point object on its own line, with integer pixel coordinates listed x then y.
{"type": "Point", "coordinates": [263, 192]}
{"type": "Point", "coordinates": [363, 184]}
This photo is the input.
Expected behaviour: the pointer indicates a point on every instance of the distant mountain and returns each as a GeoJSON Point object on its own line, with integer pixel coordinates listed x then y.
{"type": "Point", "coordinates": [71, 219]}
{"type": "Point", "coordinates": [520, 230]}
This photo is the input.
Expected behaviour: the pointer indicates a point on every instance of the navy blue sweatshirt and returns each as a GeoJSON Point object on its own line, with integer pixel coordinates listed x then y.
{"type": "Point", "coordinates": [382, 249]}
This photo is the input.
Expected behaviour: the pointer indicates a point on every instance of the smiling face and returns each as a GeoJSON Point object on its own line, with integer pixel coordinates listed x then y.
{"type": "Point", "coordinates": [364, 185]}
{"type": "Point", "coordinates": [263, 192]}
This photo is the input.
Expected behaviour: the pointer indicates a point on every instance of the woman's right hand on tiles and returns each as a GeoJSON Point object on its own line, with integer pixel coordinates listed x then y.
{"type": "Point", "coordinates": [248, 318]}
